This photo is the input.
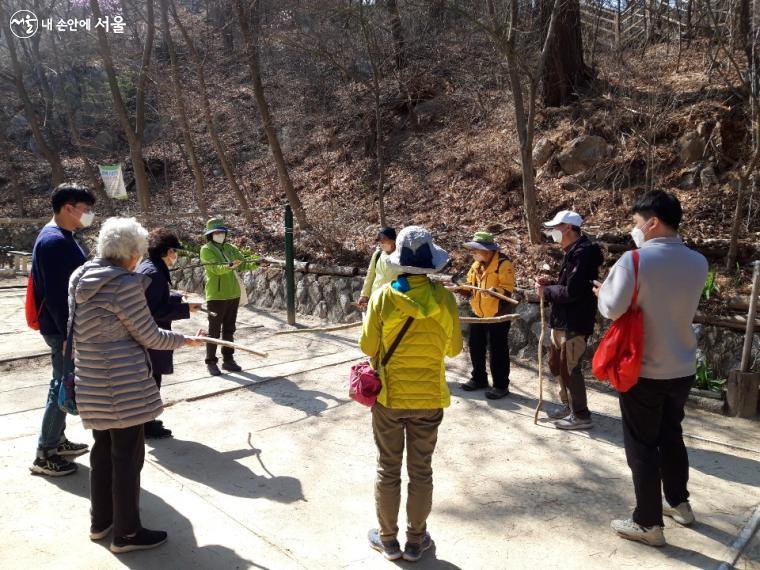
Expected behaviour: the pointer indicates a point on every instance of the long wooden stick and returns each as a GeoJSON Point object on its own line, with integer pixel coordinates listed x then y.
{"type": "Point", "coordinates": [229, 344]}
{"type": "Point", "coordinates": [540, 365]}
{"type": "Point", "coordinates": [497, 295]}
{"type": "Point", "coordinates": [321, 329]}
{"type": "Point", "coordinates": [488, 320]}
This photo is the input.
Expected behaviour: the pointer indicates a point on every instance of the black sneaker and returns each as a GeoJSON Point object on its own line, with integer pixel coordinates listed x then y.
{"type": "Point", "coordinates": [391, 549]}
{"type": "Point", "coordinates": [53, 466]}
{"type": "Point", "coordinates": [231, 366]}
{"type": "Point", "coordinates": [497, 393]}
{"type": "Point", "coordinates": [67, 447]}
{"type": "Point", "coordinates": [155, 430]}
{"type": "Point", "coordinates": [472, 386]}
{"type": "Point", "coordinates": [413, 551]}
{"type": "Point", "coordinates": [143, 539]}
{"type": "Point", "coordinates": [213, 369]}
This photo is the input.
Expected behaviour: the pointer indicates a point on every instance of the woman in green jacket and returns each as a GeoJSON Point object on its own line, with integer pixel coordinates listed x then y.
{"type": "Point", "coordinates": [222, 261]}
{"type": "Point", "coordinates": [410, 405]}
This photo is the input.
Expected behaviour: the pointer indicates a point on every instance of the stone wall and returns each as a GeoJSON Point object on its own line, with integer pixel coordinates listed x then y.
{"type": "Point", "coordinates": [329, 298]}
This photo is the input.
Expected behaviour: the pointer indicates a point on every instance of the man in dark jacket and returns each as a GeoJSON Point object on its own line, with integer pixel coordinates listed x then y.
{"type": "Point", "coordinates": [165, 305]}
{"type": "Point", "coordinates": [55, 256]}
{"type": "Point", "coordinates": [573, 315]}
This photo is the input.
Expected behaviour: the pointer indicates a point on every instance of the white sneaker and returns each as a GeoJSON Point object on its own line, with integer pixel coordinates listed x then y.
{"type": "Point", "coordinates": [682, 513]}
{"type": "Point", "coordinates": [559, 413]}
{"type": "Point", "coordinates": [573, 422]}
{"type": "Point", "coordinates": [651, 535]}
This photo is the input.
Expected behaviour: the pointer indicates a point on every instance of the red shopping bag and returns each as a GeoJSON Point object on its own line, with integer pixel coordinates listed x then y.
{"type": "Point", "coordinates": [618, 358]}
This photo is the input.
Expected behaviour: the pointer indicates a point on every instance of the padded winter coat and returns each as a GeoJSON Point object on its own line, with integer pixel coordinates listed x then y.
{"type": "Point", "coordinates": [415, 375]}
{"type": "Point", "coordinates": [112, 330]}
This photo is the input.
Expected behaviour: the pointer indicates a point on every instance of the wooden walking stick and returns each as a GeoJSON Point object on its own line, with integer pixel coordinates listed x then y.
{"type": "Point", "coordinates": [321, 329]}
{"type": "Point", "coordinates": [229, 344]}
{"type": "Point", "coordinates": [540, 364]}
{"type": "Point", "coordinates": [494, 293]}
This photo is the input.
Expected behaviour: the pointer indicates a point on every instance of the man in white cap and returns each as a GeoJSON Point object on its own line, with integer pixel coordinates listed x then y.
{"type": "Point", "coordinates": [573, 315]}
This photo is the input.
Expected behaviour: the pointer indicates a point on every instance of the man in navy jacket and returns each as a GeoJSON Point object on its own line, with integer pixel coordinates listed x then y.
{"type": "Point", "coordinates": [55, 256]}
{"type": "Point", "coordinates": [572, 317]}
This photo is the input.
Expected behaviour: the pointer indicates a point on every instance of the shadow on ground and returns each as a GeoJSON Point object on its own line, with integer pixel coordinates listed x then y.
{"type": "Point", "coordinates": [182, 543]}
{"type": "Point", "coordinates": [221, 471]}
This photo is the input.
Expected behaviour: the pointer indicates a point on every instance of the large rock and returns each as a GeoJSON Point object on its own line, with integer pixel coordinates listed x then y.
{"type": "Point", "coordinates": [582, 153]}
{"type": "Point", "coordinates": [542, 152]}
{"type": "Point", "coordinates": [18, 127]}
{"type": "Point", "coordinates": [691, 147]}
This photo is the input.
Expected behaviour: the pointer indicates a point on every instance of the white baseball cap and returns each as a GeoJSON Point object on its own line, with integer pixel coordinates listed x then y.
{"type": "Point", "coordinates": [565, 217]}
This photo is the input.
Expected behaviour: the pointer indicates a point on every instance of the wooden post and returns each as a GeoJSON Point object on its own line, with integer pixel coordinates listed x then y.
{"type": "Point", "coordinates": [742, 386]}
{"type": "Point", "coordinates": [617, 29]}
{"type": "Point", "coordinates": [741, 394]}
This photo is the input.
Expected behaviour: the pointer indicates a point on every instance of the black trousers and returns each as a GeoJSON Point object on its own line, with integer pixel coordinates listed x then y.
{"type": "Point", "coordinates": [493, 338]}
{"type": "Point", "coordinates": [652, 414]}
{"type": "Point", "coordinates": [222, 325]}
{"type": "Point", "coordinates": [116, 460]}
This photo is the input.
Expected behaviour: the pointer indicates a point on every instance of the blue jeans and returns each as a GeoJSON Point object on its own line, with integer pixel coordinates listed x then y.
{"type": "Point", "coordinates": [54, 420]}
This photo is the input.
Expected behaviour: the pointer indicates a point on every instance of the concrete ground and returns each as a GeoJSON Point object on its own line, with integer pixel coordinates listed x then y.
{"type": "Point", "coordinates": [274, 468]}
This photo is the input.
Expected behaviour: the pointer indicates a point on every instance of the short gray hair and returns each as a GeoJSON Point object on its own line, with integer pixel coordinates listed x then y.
{"type": "Point", "coordinates": [121, 238]}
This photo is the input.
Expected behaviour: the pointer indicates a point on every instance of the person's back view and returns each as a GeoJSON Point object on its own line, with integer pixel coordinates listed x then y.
{"type": "Point", "coordinates": [671, 278]}
{"type": "Point", "coordinates": [409, 408]}
{"type": "Point", "coordinates": [670, 281]}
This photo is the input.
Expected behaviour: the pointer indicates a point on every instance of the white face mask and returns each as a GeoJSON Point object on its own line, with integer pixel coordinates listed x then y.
{"type": "Point", "coordinates": [638, 236]}
{"type": "Point", "coordinates": [86, 219]}
{"type": "Point", "coordinates": [219, 237]}
{"type": "Point", "coordinates": [556, 235]}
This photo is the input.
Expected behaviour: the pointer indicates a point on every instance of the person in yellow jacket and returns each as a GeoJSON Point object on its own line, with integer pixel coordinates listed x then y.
{"type": "Point", "coordinates": [378, 272]}
{"type": "Point", "coordinates": [491, 270]}
{"type": "Point", "coordinates": [414, 392]}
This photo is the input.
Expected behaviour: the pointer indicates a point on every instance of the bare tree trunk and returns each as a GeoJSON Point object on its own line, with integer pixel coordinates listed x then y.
{"type": "Point", "coordinates": [215, 139]}
{"type": "Point", "coordinates": [506, 41]}
{"type": "Point", "coordinates": [371, 52]}
{"type": "Point", "coordinates": [747, 174]}
{"type": "Point", "coordinates": [565, 70]}
{"type": "Point", "coordinates": [251, 43]}
{"type": "Point", "coordinates": [134, 135]}
{"type": "Point", "coordinates": [182, 111]}
{"type": "Point", "coordinates": [397, 31]}
{"type": "Point", "coordinates": [48, 151]}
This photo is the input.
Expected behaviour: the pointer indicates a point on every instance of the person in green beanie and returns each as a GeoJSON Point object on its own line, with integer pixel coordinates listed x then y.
{"type": "Point", "coordinates": [222, 261]}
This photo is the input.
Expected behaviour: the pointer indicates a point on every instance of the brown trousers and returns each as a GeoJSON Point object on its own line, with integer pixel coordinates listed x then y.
{"type": "Point", "coordinates": [419, 430]}
{"type": "Point", "coordinates": [566, 364]}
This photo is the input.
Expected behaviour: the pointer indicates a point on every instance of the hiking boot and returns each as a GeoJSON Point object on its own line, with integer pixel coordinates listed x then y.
{"type": "Point", "coordinates": [651, 535]}
{"type": "Point", "coordinates": [682, 514]}
{"type": "Point", "coordinates": [472, 386]}
{"type": "Point", "coordinates": [413, 551]}
{"type": "Point", "coordinates": [143, 539]}
{"type": "Point", "coordinates": [213, 369]}
{"type": "Point", "coordinates": [96, 534]}
{"type": "Point", "coordinates": [497, 393]}
{"type": "Point", "coordinates": [53, 466]}
{"type": "Point", "coordinates": [559, 413]}
{"type": "Point", "coordinates": [231, 366]}
{"type": "Point", "coordinates": [72, 449]}
{"type": "Point", "coordinates": [390, 549]}
{"type": "Point", "coordinates": [155, 430]}
{"type": "Point", "coordinates": [572, 422]}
